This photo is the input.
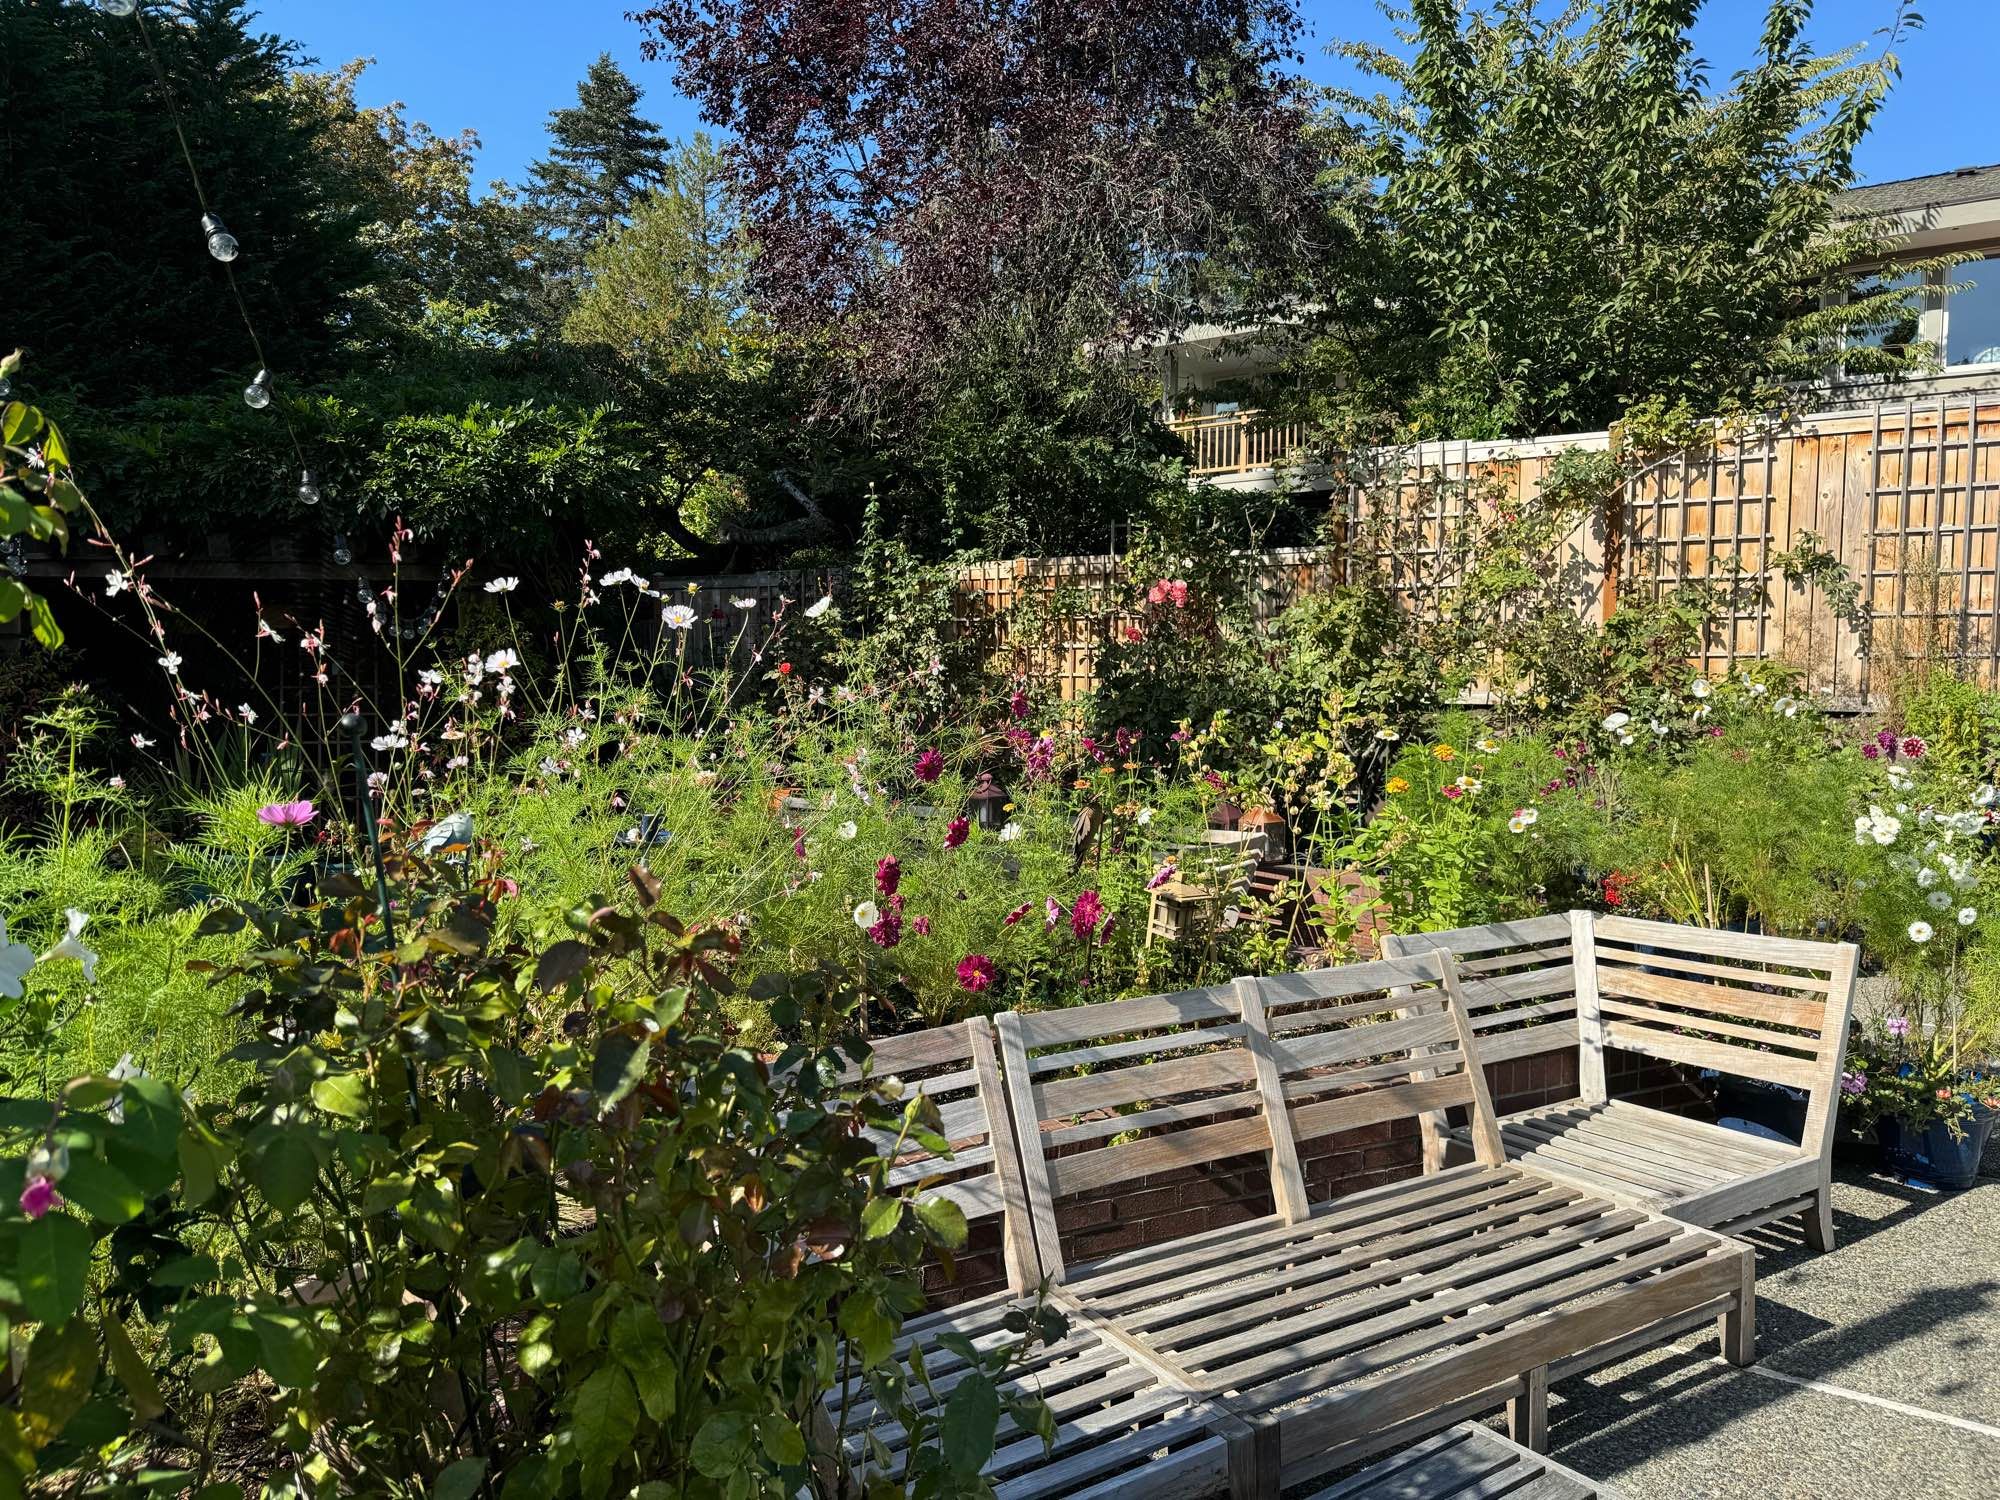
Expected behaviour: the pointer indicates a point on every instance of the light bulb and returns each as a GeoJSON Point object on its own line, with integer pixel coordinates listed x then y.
{"type": "Point", "coordinates": [342, 553]}
{"type": "Point", "coordinates": [308, 491]}
{"type": "Point", "coordinates": [6, 387]}
{"type": "Point", "coordinates": [257, 394]}
{"type": "Point", "coordinates": [221, 243]}
{"type": "Point", "coordinates": [118, 7]}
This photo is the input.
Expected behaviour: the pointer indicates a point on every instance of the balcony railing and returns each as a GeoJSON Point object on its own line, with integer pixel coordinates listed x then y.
{"type": "Point", "coordinates": [1238, 442]}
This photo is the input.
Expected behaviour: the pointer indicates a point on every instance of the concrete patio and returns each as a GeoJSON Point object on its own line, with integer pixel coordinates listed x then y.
{"type": "Point", "coordinates": [1879, 1378]}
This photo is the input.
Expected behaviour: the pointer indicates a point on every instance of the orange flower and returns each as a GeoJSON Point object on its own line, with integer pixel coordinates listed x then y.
{"type": "Point", "coordinates": [1445, 752]}
{"type": "Point", "coordinates": [1396, 784]}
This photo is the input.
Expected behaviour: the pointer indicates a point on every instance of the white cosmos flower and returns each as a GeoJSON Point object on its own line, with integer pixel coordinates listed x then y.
{"type": "Point", "coordinates": [1009, 831]}
{"type": "Point", "coordinates": [1145, 816]}
{"type": "Point", "coordinates": [1967, 916]}
{"type": "Point", "coordinates": [867, 914]}
{"type": "Point", "coordinates": [502, 661]}
{"type": "Point", "coordinates": [1927, 877]}
{"type": "Point", "coordinates": [116, 583]}
{"type": "Point", "coordinates": [395, 739]}
{"type": "Point", "coordinates": [1939, 900]}
{"type": "Point", "coordinates": [1699, 687]}
{"type": "Point", "coordinates": [15, 961]}
{"type": "Point", "coordinates": [503, 585]}
{"type": "Point", "coordinates": [1625, 739]}
{"type": "Point", "coordinates": [172, 662]}
{"type": "Point", "coordinates": [1985, 796]}
{"type": "Point", "coordinates": [249, 713]}
{"type": "Point", "coordinates": [1387, 734]}
{"type": "Point", "coordinates": [1920, 932]}
{"type": "Point", "coordinates": [70, 945]}
{"type": "Point", "coordinates": [819, 606]}
{"type": "Point", "coordinates": [430, 677]}
{"type": "Point", "coordinates": [1657, 727]}
{"type": "Point", "coordinates": [677, 617]}
{"type": "Point", "coordinates": [744, 603]}
{"type": "Point", "coordinates": [847, 830]}
{"type": "Point", "coordinates": [1617, 721]}
{"type": "Point", "coordinates": [1758, 690]}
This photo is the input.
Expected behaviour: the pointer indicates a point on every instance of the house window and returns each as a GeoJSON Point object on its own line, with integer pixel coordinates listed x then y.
{"type": "Point", "coordinates": [1902, 332]}
{"type": "Point", "coordinates": [1972, 316]}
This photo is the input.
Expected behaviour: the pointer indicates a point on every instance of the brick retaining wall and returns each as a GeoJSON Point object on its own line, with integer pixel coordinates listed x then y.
{"type": "Point", "coordinates": [1192, 1199]}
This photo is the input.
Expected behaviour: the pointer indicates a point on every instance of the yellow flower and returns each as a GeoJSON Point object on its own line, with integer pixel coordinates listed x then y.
{"type": "Point", "coordinates": [694, 588]}
{"type": "Point", "coordinates": [1396, 784]}
{"type": "Point", "coordinates": [1445, 752]}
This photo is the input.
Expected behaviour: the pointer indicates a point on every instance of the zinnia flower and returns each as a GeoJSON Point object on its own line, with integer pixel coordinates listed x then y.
{"type": "Point", "coordinates": [1394, 785]}
{"type": "Point", "coordinates": [928, 767]}
{"type": "Point", "coordinates": [975, 972]}
{"type": "Point", "coordinates": [1453, 792]}
{"type": "Point", "coordinates": [955, 832]}
{"type": "Point", "coordinates": [1387, 735]}
{"type": "Point", "coordinates": [286, 814]}
{"type": "Point", "coordinates": [1444, 753]}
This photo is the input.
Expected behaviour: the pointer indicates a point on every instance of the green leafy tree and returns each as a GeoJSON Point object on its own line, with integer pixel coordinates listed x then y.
{"type": "Point", "coordinates": [1573, 220]}
{"type": "Point", "coordinates": [604, 158]}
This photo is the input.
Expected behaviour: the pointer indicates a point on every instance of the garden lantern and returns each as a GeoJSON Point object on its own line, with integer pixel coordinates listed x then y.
{"type": "Point", "coordinates": [989, 802]}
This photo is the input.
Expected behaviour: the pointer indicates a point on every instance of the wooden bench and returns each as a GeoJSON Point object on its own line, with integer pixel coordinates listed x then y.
{"type": "Point", "coordinates": [1469, 1462]}
{"type": "Point", "coordinates": [1327, 1332]}
{"type": "Point", "coordinates": [1766, 1008]}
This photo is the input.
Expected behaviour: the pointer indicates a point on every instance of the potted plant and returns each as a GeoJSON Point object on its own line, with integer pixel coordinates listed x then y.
{"type": "Point", "coordinates": [1932, 1116]}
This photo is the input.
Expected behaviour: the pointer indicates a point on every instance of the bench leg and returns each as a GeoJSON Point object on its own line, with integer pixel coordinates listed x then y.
{"type": "Point", "coordinates": [1528, 1413]}
{"type": "Point", "coordinates": [1817, 1222]}
{"type": "Point", "coordinates": [1255, 1458]}
{"type": "Point", "coordinates": [1739, 1324]}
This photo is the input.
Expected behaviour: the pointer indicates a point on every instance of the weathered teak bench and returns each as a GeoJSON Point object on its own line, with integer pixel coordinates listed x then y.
{"type": "Point", "coordinates": [1116, 1418]}
{"type": "Point", "coordinates": [1757, 1007]}
{"type": "Point", "coordinates": [1469, 1462]}
{"type": "Point", "coordinates": [1330, 1331]}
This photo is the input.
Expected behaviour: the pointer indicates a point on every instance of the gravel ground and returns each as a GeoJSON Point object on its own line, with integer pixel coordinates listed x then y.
{"type": "Point", "coordinates": [1907, 1308]}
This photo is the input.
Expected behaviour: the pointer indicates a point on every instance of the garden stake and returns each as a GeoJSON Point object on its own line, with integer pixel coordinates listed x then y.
{"type": "Point", "coordinates": [354, 724]}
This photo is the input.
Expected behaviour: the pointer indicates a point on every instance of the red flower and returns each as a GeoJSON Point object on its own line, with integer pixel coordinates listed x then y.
{"type": "Point", "coordinates": [929, 766]}
{"type": "Point", "coordinates": [975, 972]}
{"type": "Point", "coordinates": [1017, 913]}
{"type": "Point", "coordinates": [1086, 914]}
{"type": "Point", "coordinates": [1913, 748]}
{"type": "Point", "coordinates": [955, 832]}
{"type": "Point", "coordinates": [888, 874]}
{"type": "Point", "coordinates": [784, 669]}
{"type": "Point", "coordinates": [888, 932]}
{"type": "Point", "coordinates": [1134, 633]}
{"type": "Point", "coordinates": [921, 926]}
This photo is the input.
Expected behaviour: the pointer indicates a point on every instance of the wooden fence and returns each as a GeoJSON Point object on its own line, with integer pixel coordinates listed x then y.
{"type": "Point", "coordinates": [1906, 495]}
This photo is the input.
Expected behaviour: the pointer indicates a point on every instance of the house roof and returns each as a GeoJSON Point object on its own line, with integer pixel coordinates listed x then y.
{"type": "Point", "coordinates": [1965, 185]}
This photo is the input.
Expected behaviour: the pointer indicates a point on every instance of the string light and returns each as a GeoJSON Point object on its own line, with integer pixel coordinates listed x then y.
{"type": "Point", "coordinates": [118, 7]}
{"type": "Point", "coordinates": [257, 394]}
{"type": "Point", "coordinates": [308, 491]}
{"type": "Point", "coordinates": [342, 553]}
{"type": "Point", "coordinates": [221, 243]}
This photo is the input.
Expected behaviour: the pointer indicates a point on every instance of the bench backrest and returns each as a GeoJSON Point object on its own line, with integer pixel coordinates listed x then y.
{"type": "Point", "coordinates": [956, 1068]}
{"type": "Point", "coordinates": [1108, 1093]}
{"type": "Point", "coordinates": [1372, 1042]}
{"type": "Point", "coordinates": [1769, 1008]}
{"type": "Point", "coordinates": [1519, 981]}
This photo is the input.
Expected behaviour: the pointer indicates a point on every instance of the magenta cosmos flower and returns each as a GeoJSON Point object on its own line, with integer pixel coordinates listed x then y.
{"type": "Point", "coordinates": [955, 832]}
{"type": "Point", "coordinates": [888, 874]}
{"type": "Point", "coordinates": [1017, 704]}
{"type": "Point", "coordinates": [929, 766]}
{"type": "Point", "coordinates": [1017, 913]}
{"type": "Point", "coordinates": [975, 972]}
{"type": "Point", "coordinates": [287, 814]}
{"type": "Point", "coordinates": [1086, 914]}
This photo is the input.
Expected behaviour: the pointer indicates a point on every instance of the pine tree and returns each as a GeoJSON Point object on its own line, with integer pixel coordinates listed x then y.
{"type": "Point", "coordinates": [605, 158]}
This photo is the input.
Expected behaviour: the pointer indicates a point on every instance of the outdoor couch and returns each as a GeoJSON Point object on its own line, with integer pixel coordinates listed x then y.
{"type": "Point", "coordinates": [1273, 1352]}
{"type": "Point", "coordinates": [1774, 1010]}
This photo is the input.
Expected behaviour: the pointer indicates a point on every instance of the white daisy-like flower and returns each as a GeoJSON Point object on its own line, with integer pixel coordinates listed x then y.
{"type": "Point", "coordinates": [15, 961]}
{"type": "Point", "coordinates": [1920, 932]}
{"type": "Point", "coordinates": [867, 914]}
{"type": "Point", "coordinates": [1625, 739]}
{"type": "Point", "coordinates": [1613, 722]}
{"type": "Point", "coordinates": [1967, 915]}
{"type": "Point", "coordinates": [1657, 727]}
{"type": "Point", "coordinates": [171, 661]}
{"type": "Point", "coordinates": [503, 585]}
{"type": "Point", "coordinates": [503, 661]}
{"type": "Point", "coordinates": [1145, 816]}
{"type": "Point", "coordinates": [1939, 900]}
{"type": "Point", "coordinates": [612, 579]}
{"type": "Point", "coordinates": [115, 583]}
{"type": "Point", "coordinates": [677, 617]}
{"type": "Point", "coordinates": [1985, 796]}
{"type": "Point", "coordinates": [819, 606]}
{"type": "Point", "coordinates": [1524, 818]}
{"type": "Point", "coordinates": [395, 739]}
{"type": "Point", "coordinates": [847, 830]}
{"type": "Point", "coordinates": [1699, 687]}
{"type": "Point", "coordinates": [1486, 746]}
{"type": "Point", "coordinates": [70, 945]}
{"type": "Point", "coordinates": [1758, 690]}
{"type": "Point", "coordinates": [1009, 831]}
{"type": "Point", "coordinates": [744, 603]}
{"type": "Point", "coordinates": [1387, 735]}
{"type": "Point", "coordinates": [1927, 877]}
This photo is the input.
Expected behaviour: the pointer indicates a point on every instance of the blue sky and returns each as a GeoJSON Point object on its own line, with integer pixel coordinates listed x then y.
{"type": "Point", "coordinates": [500, 66]}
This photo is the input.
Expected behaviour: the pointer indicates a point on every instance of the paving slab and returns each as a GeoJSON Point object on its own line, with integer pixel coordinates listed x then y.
{"type": "Point", "coordinates": [1905, 1310]}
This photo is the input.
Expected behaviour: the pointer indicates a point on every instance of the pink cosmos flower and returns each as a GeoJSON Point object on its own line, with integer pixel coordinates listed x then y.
{"type": "Point", "coordinates": [1017, 704]}
{"type": "Point", "coordinates": [975, 972]}
{"type": "Point", "coordinates": [1086, 914]}
{"type": "Point", "coordinates": [955, 832]}
{"type": "Point", "coordinates": [1017, 913]}
{"type": "Point", "coordinates": [929, 766]}
{"type": "Point", "coordinates": [921, 926]}
{"type": "Point", "coordinates": [1052, 910]}
{"type": "Point", "coordinates": [888, 874]}
{"type": "Point", "coordinates": [39, 1196]}
{"type": "Point", "coordinates": [1161, 876]}
{"type": "Point", "coordinates": [286, 814]}
{"type": "Point", "coordinates": [799, 843]}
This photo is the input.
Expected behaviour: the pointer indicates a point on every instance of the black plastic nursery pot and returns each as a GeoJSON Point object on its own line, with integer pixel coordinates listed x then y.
{"type": "Point", "coordinates": [1934, 1153]}
{"type": "Point", "coordinates": [1770, 1105]}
